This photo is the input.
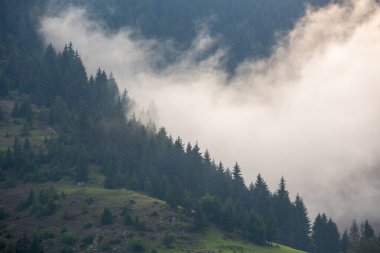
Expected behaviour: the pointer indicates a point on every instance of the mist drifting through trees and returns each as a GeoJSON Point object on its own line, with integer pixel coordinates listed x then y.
{"type": "Point", "coordinates": [91, 107]}
{"type": "Point", "coordinates": [312, 105]}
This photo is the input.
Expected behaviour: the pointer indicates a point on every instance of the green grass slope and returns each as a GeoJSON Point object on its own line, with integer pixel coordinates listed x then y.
{"type": "Point", "coordinates": [75, 225]}
{"type": "Point", "coordinates": [216, 241]}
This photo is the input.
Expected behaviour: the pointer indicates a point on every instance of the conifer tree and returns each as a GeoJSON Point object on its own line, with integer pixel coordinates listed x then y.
{"type": "Point", "coordinates": [354, 234]}
{"type": "Point", "coordinates": [318, 235]}
{"type": "Point", "coordinates": [228, 217]}
{"type": "Point", "coordinates": [283, 212]}
{"type": "Point", "coordinates": [368, 231]}
{"type": "Point", "coordinates": [237, 175]}
{"type": "Point", "coordinates": [344, 242]}
{"type": "Point", "coordinates": [325, 236]}
{"type": "Point", "coordinates": [333, 237]}
{"type": "Point", "coordinates": [255, 229]}
{"type": "Point", "coordinates": [260, 196]}
{"type": "Point", "coordinates": [302, 225]}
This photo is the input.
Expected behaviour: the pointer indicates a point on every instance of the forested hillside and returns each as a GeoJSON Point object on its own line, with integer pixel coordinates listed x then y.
{"type": "Point", "coordinates": [82, 119]}
{"type": "Point", "coordinates": [245, 28]}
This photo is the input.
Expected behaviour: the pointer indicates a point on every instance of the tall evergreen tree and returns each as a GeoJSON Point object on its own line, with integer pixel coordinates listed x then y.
{"type": "Point", "coordinates": [354, 234]}
{"type": "Point", "coordinates": [255, 229]}
{"type": "Point", "coordinates": [368, 231]}
{"type": "Point", "coordinates": [344, 242]}
{"type": "Point", "coordinates": [302, 225]}
{"type": "Point", "coordinates": [260, 197]}
{"type": "Point", "coordinates": [283, 214]}
{"type": "Point", "coordinates": [325, 236]}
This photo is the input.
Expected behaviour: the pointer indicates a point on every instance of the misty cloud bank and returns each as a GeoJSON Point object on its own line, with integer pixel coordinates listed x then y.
{"type": "Point", "coordinates": [311, 112]}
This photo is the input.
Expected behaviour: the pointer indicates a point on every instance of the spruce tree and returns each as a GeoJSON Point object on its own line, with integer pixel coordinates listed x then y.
{"type": "Point", "coordinates": [283, 212]}
{"type": "Point", "coordinates": [354, 234]}
{"type": "Point", "coordinates": [237, 175]}
{"type": "Point", "coordinates": [261, 197]}
{"type": "Point", "coordinates": [333, 237]}
{"type": "Point", "coordinates": [344, 242]}
{"type": "Point", "coordinates": [302, 225]}
{"type": "Point", "coordinates": [255, 229]}
{"type": "Point", "coordinates": [368, 231]}
{"type": "Point", "coordinates": [325, 236]}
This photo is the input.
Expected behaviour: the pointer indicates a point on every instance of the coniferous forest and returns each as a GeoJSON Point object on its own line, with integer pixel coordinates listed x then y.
{"type": "Point", "coordinates": [87, 131]}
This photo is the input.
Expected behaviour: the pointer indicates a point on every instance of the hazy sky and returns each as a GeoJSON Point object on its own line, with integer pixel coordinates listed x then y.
{"type": "Point", "coordinates": [310, 112]}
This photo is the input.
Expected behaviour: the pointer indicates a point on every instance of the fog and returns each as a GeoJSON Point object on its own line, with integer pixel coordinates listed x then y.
{"type": "Point", "coordinates": [310, 112]}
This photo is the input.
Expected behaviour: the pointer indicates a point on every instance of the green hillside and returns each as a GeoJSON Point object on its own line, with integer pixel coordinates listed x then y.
{"type": "Point", "coordinates": [75, 223]}
{"type": "Point", "coordinates": [66, 216]}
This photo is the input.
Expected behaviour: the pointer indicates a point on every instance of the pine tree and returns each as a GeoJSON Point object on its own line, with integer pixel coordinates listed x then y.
{"type": "Point", "coordinates": [175, 195]}
{"type": "Point", "coordinates": [302, 225]}
{"type": "Point", "coordinates": [260, 196]}
{"type": "Point", "coordinates": [283, 214]}
{"type": "Point", "coordinates": [333, 237]}
{"type": "Point", "coordinates": [255, 229]}
{"type": "Point", "coordinates": [228, 222]}
{"type": "Point", "coordinates": [368, 231]}
{"type": "Point", "coordinates": [344, 242]}
{"type": "Point", "coordinates": [237, 175]}
{"type": "Point", "coordinates": [178, 144]}
{"type": "Point", "coordinates": [200, 220]}
{"type": "Point", "coordinates": [354, 234]}
{"type": "Point", "coordinates": [207, 158]}
{"type": "Point", "coordinates": [325, 235]}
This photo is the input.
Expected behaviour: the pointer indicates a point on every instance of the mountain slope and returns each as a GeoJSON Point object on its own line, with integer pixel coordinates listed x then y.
{"type": "Point", "coordinates": [76, 222]}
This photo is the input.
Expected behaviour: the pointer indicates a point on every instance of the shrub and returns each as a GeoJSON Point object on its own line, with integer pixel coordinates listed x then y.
{"type": "Point", "coordinates": [67, 215]}
{"type": "Point", "coordinates": [126, 209]}
{"type": "Point", "coordinates": [88, 225]}
{"type": "Point", "coordinates": [139, 225]}
{"type": "Point", "coordinates": [67, 250]}
{"type": "Point", "coordinates": [169, 239]}
{"type": "Point", "coordinates": [3, 214]}
{"type": "Point", "coordinates": [4, 245]}
{"type": "Point", "coordinates": [89, 200]}
{"type": "Point", "coordinates": [128, 220]}
{"type": "Point", "coordinates": [138, 246]}
{"type": "Point", "coordinates": [88, 240]}
{"type": "Point", "coordinates": [46, 235]}
{"type": "Point", "coordinates": [106, 247]}
{"type": "Point", "coordinates": [115, 241]}
{"type": "Point", "coordinates": [50, 208]}
{"type": "Point", "coordinates": [106, 217]}
{"type": "Point", "coordinates": [36, 246]}
{"type": "Point", "coordinates": [69, 239]}
{"type": "Point", "coordinates": [25, 203]}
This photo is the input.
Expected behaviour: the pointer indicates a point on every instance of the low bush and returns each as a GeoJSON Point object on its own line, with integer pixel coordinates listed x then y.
{"type": "Point", "coordinates": [169, 239]}
{"type": "Point", "coordinates": [88, 240]}
{"type": "Point", "coordinates": [138, 245]}
{"type": "Point", "coordinates": [69, 239]}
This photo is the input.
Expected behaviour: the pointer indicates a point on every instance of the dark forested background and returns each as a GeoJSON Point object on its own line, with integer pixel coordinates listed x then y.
{"type": "Point", "coordinates": [246, 28]}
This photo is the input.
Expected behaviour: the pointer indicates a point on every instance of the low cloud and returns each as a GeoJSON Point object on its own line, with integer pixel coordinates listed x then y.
{"type": "Point", "coordinates": [310, 112]}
